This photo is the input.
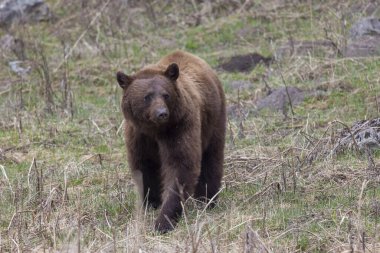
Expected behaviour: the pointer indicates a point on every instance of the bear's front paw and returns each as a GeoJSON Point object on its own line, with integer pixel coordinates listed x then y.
{"type": "Point", "coordinates": [163, 225]}
{"type": "Point", "coordinates": [152, 202]}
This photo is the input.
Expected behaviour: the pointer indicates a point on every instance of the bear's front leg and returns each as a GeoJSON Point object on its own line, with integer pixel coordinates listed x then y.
{"type": "Point", "coordinates": [144, 162]}
{"type": "Point", "coordinates": [180, 172]}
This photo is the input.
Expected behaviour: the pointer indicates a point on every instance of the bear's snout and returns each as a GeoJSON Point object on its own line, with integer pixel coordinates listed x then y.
{"type": "Point", "coordinates": [162, 114]}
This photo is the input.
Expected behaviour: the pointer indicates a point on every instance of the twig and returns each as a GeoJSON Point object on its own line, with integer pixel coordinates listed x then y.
{"type": "Point", "coordinates": [339, 52]}
{"type": "Point", "coordinates": [120, 127]}
{"type": "Point", "coordinates": [286, 89]}
{"type": "Point", "coordinates": [254, 242]}
{"type": "Point", "coordinates": [376, 99]}
{"type": "Point", "coordinates": [107, 235]}
{"type": "Point", "coordinates": [97, 127]}
{"type": "Point", "coordinates": [81, 37]}
{"type": "Point", "coordinates": [212, 244]}
{"type": "Point", "coordinates": [33, 163]}
{"type": "Point", "coordinates": [238, 225]}
{"type": "Point", "coordinates": [105, 215]}
{"type": "Point", "coordinates": [349, 130]}
{"type": "Point", "coordinates": [11, 221]}
{"type": "Point", "coordinates": [79, 222]}
{"type": "Point", "coordinates": [211, 200]}
{"type": "Point", "coordinates": [7, 179]}
{"type": "Point", "coordinates": [360, 204]}
{"type": "Point", "coordinates": [18, 247]}
{"type": "Point", "coordinates": [262, 192]}
{"type": "Point", "coordinates": [269, 89]}
{"type": "Point", "coordinates": [44, 72]}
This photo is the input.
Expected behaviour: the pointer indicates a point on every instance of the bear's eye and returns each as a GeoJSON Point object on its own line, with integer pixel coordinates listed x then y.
{"type": "Point", "coordinates": [148, 97]}
{"type": "Point", "coordinates": [166, 96]}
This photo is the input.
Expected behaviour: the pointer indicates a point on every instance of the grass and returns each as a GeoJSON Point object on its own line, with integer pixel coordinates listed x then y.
{"type": "Point", "coordinates": [64, 179]}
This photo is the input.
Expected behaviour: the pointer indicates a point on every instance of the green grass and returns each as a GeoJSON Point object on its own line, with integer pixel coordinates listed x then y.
{"type": "Point", "coordinates": [271, 185]}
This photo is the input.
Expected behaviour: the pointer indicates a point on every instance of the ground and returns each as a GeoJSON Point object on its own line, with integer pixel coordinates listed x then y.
{"type": "Point", "coordinates": [64, 180]}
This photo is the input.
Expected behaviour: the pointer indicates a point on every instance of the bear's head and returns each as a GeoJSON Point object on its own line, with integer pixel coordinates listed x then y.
{"type": "Point", "coordinates": [150, 96]}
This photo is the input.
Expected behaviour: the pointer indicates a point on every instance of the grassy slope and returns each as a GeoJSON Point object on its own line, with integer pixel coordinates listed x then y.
{"type": "Point", "coordinates": [67, 177]}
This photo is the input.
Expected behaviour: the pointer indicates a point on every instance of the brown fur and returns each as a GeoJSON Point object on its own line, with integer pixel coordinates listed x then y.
{"type": "Point", "coordinates": [174, 131]}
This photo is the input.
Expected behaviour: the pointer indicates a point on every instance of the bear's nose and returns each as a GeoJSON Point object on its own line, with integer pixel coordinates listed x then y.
{"type": "Point", "coordinates": [162, 114]}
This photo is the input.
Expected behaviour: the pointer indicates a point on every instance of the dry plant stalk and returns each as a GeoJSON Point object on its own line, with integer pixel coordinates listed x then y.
{"type": "Point", "coordinates": [44, 72]}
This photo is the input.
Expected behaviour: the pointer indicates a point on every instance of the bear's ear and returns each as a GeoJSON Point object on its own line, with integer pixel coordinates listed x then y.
{"type": "Point", "coordinates": [123, 80]}
{"type": "Point", "coordinates": [172, 72]}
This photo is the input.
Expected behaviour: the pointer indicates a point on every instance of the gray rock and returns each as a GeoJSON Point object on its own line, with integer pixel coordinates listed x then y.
{"type": "Point", "coordinates": [364, 38]}
{"type": "Point", "coordinates": [19, 68]}
{"type": "Point", "coordinates": [278, 100]}
{"type": "Point", "coordinates": [25, 11]}
{"type": "Point", "coordinates": [365, 26]}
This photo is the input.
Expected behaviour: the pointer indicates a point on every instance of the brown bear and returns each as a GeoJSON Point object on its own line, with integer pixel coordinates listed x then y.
{"type": "Point", "coordinates": [175, 124]}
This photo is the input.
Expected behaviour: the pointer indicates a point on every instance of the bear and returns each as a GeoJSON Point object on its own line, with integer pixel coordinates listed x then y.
{"type": "Point", "coordinates": [175, 126]}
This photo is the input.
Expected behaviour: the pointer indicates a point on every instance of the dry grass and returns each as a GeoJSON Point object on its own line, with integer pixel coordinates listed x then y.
{"type": "Point", "coordinates": [64, 180]}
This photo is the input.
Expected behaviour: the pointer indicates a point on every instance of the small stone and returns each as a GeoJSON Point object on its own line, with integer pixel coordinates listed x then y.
{"type": "Point", "coordinates": [18, 68]}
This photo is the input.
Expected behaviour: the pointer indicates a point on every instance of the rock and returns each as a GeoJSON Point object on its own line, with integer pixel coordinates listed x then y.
{"type": "Point", "coordinates": [10, 44]}
{"type": "Point", "coordinates": [365, 26]}
{"type": "Point", "coordinates": [19, 68]}
{"type": "Point", "coordinates": [364, 38]}
{"type": "Point", "coordinates": [278, 100]}
{"type": "Point", "coordinates": [323, 48]}
{"type": "Point", "coordinates": [25, 11]}
{"type": "Point", "coordinates": [244, 63]}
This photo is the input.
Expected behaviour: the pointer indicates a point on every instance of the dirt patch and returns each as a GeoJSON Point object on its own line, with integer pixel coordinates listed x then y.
{"type": "Point", "coordinates": [323, 48]}
{"type": "Point", "coordinates": [368, 8]}
{"type": "Point", "coordinates": [243, 63]}
{"type": "Point", "coordinates": [241, 85]}
{"type": "Point", "coordinates": [365, 46]}
{"type": "Point", "coordinates": [337, 86]}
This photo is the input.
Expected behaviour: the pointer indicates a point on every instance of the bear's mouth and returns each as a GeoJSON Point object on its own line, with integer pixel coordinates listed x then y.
{"type": "Point", "coordinates": [158, 121]}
